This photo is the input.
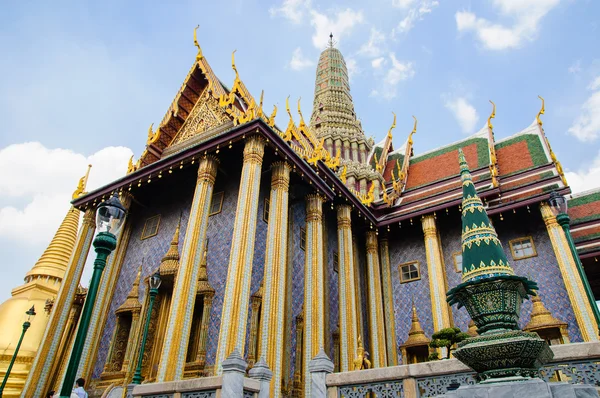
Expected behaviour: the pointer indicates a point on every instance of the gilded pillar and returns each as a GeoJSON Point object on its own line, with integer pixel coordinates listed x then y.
{"type": "Point", "coordinates": [435, 268]}
{"type": "Point", "coordinates": [108, 282]}
{"type": "Point", "coordinates": [573, 283]}
{"type": "Point", "coordinates": [232, 334]}
{"type": "Point", "coordinates": [37, 383]}
{"type": "Point", "coordinates": [347, 293]}
{"type": "Point", "coordinates": [275, 276]}
{"type": "Point", "coordinates": [358, 297]}
{"type": "Point", "coordinates": [174, 349]}
{"type": "Point", "coordinates": [314, 306]}
{"type": "Point", "coordinates": [388, 301]}
{"type": "Point", "coordinates": [376, 323]}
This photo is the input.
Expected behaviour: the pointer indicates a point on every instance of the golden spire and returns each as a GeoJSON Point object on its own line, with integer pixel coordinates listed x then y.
{"type": "Point", "coordinates": [80, 190]}
{"type": "Point", "coordinates": [300, 112]}
{"type": "Point", "coordinates": [199, 56]}
{"type": "Point", "coordinates": [389, 134]}
{"type": "Point", "coordinates": [170, 262]}
{"type": "Point", "coordinates": [416, 335]}
{"type": "Point", "coordinates": [541, 318]}
{"type": "Point", "coordinates": [541, 112]}
{"type": "Point", "coordinates": [203, 285]}
{"type": "Point", "coordinates": [132, 302]}
{"type": "Point", "coordinates": [492, 116]}
{"type": "Point", "coordinates": [237, 76]}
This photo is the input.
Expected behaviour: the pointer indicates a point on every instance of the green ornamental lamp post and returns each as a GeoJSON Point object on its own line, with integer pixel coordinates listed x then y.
{"type": "Point", "coordinates": [154, 283]}
{"type": "Point", "coordinates": [109, 219]}
{"type": "Point", "coordinates": [558, 205]}
{"type": "Point", "coordinates": [30, 315]}
{"type": "Point", "coordinates": [492, 295]}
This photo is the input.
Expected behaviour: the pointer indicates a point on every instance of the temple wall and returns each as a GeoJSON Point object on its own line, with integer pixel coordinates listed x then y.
{"type": "Point", "coordinates": [331, 290]}
{"type": "Point", "coordinates": [542, 268]}
{"type": "Point", "coordinates": [149, 252]}
{"type": "Point", "coordinates": [362, 290]}
{"type": "Point", "coordinates": [407, 245]}
{"type": "Point", "coordinates": [298, 220]}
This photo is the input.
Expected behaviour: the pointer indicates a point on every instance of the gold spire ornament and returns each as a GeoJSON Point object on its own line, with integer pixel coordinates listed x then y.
{"type": "Point", "coordinates": [492, 116]}
{"type": "Point", "coordinates": [492, 146]}
{"type": "Point", "coordinates": [541, 112]}
{"type": "Point", "coordinates": [389, 134]}
{"type": "Point", "coordinates": [343, 175]}
{"type": "Point", "coordinates": [80, 190]}
{"type": "Point", "coordinates": [169, 264]}
{"type": "Point", "coordinates": [130, 165]}
{"type": "Point", "coordinates": [199, 55]}
{"type": "Point", "coordinates": [132, 302]}
{"type": "Point", "coordinates": [153, 136]}
{"type": "Point", "coordinates": [362, 359]}
{"type": "Point", "coordinates": [271, 121]}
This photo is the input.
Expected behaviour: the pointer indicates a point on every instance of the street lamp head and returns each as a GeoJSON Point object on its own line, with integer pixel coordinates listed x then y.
{"type": "Point", "coordinates": [30, 313]}
{"type": "Point", "coordinates": [558, 203]}
{"type": "Point", "coordinates": [110, 215]}
{"type": "Point", "coordinates": [155, 280]}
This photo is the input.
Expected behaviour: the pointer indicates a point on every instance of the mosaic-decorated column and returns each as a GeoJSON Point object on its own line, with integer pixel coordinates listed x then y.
{"type": "Point", "coordinates": [573, 283]}
{"type": "Point", "coordinates": [435, 268]}
{"type": "Point", "coordinates": [234, 317]}
{"type": "Point", "coordinates": [255, 311]}
{"type": "Point", "coordinates": [273, 311]}
{"type": "Point", "coordinates": [37, 384]}
{"type": "Point", "coordinates": [388, 301]}
{"type": "Point", "coordinates": [347, 292]}
{"type": "Point", "coordinates": [174, 350]}
{"type": "Point", "coordinates": [376, 324]}
{"type": "Point", "coordinates": [314, 306]}
{"type": "Point", "coordinates": [105, 294]}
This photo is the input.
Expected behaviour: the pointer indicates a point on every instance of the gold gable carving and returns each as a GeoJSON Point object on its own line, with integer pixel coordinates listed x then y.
{"type": "Point", "coordinates": [205, 115]}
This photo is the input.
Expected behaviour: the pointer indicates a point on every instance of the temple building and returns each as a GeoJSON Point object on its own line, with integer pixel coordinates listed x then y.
{"type": "Point", "coordinates": [281, 240]}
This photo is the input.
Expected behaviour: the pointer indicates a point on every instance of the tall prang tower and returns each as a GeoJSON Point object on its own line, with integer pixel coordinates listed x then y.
{"type": "Point", "coordinates": [334, 120]}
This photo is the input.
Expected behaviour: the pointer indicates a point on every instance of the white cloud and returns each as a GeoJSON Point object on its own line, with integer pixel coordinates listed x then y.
{"type": "Point", "coordinates": [378, 62]}
{"type": "Point", "coordinates": [575, 68]}
{"type": "Point", "coordinates": [397, 72]}
{"type": "Point", "coordinates": [42, 180]}
{"type": "Point", "coordinates": [341, 24]}
{"type": "Point", "coordinates": [586, 126]}
{"type": "Point", "coordinates": [299, 61]}
{"type": "Point", "coordinates": [525, 14]}
{"type": "Point", "coordinates": [372, 48]}
{"type": "Point", "coordinates": [465, 113]}
{"type": "Point", "coordinates": [586, 178]}
{"type": "Point", "coordinates": [293, 10]}
{"type": "Point", "coordinates": [416, 11]}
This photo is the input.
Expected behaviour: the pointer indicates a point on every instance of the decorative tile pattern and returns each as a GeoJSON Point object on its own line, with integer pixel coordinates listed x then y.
{"type": "Point", "coordinates": [542, 268]}
{"type": "Point", "coordinates": [405, 246]}
{"type": "Point", "coordinates": [362, 275]}
{"type": "Point", "coordinates": [298, 220]}
{"type": "Point", "coordinates": [220, 232]}
{"type": "Point", "coordinates": [148, 251]}
{"type": "Point", "coordinates": [331, 291]}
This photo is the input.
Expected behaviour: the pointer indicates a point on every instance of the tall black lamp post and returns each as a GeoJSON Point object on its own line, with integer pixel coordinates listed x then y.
{"type": "Point", "coordinates": [109, 219]}
{"type": "Point", "coordinates": [154, 283]}
{"type": "Point", "coordinates": [30, 315]}
{"type": "Point", "coordinates": [558, 204]}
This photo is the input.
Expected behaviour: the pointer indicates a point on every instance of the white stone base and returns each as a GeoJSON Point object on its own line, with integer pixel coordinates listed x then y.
{"type": "Point", "coordinates": [535, 388]}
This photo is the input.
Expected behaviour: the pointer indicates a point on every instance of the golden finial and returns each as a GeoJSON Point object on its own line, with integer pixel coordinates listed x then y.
{"type": "Point", "coordinates": [82, 183]}
{"type": "Point", "coordinates": [260, 105]}
{"type": "Point", "coordinates": [272, 117]}
{"type": "Point", "coordinates": [393, 126]}
{"type": "Point", "coordinates": [287, 106]}
{"type": "Point", "coordinates": [492, 116]}
{"type": "Point", "coordinates": [300, 111]}
{"type": "Point", "coordinates": [233, 64]}
{"type": "Point", "coordinates": [199, 55]}
{"type": "Point", "coordinates": [152, 136]}
{"type": "Point", "coordinates": [130, 165]}
{"type": "Point", "coordinates": [541, 112]}
{"type": "Point", "coordinates": [414, 130]}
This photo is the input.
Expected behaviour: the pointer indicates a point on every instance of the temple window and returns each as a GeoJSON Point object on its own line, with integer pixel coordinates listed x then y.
{"type": "Point", "coordinates": [522, 248]}
{"type": "Point", "coordinates": [336, 262]}
{"type": "Point", "coordinates": [409, 272]}
{"type": "Point", "coordinates": [151, 227]}
{"type": "Point", "coordinates": [266, 209]}
{"type": "Point", "coordinates": [216, 204]}
{"type": "Point", "coordinates": [302, 238]}
{"type": "Point", "coordinates": [457, 261]}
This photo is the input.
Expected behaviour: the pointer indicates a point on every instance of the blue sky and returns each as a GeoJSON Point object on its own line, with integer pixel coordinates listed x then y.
{"type": "Point", "coordinates": [80, 82]}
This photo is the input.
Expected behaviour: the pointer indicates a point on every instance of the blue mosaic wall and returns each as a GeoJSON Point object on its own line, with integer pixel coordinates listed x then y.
{"type": "Point", "coordinates": [449, 225]}
{"type": "Point", "coordinates": [363, 297]}
{"type": "Point", "coordinates": [331, 291]}
{"type": "Point", "coordinates": [407, 245]}
{"type": "Point", "coordinates": [298, 220]}
{"type": "Point", "coordinates": [219, 234]}
{"type": "Point", "coordinates": [148, 251]}
{"type": "Point", "coordinates": [542, 268]}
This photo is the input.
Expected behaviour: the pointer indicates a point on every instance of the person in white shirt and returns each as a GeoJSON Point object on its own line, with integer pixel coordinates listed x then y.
{"type": "Point", "coordinates": [79, 384]}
